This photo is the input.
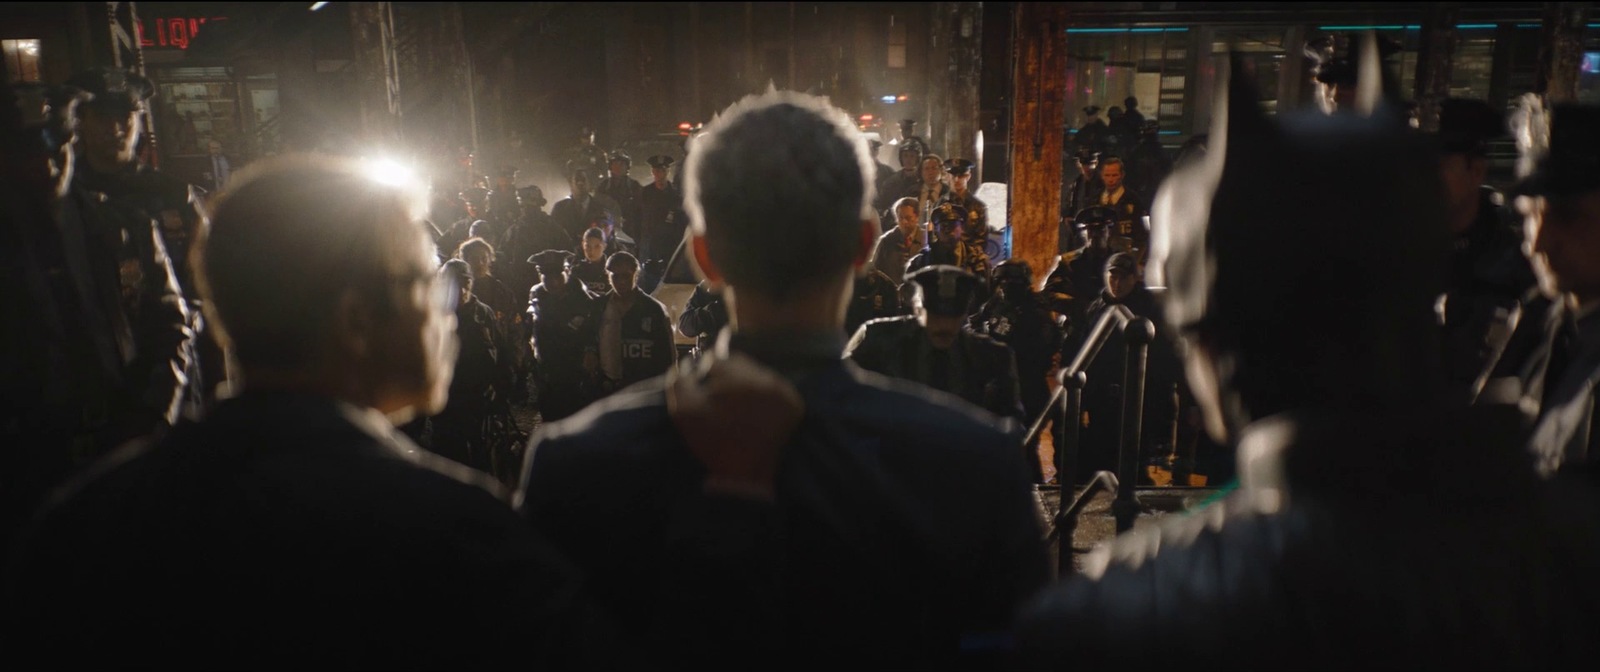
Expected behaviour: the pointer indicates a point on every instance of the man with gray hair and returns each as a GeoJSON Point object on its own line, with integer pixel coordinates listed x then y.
{"type": "Point", "coordinates": [894, 527]}
{"type": "Point", "coordinates": [293, 522]}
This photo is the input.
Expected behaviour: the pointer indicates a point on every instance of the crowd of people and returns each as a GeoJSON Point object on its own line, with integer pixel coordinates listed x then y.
{"type": "Point", "coordinates": [836, 477]}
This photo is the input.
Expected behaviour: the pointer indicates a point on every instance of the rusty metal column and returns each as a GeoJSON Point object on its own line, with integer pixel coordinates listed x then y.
{"type": "Point", "coordinates": [1560, 51]}
{"type": "Point", "coordinates": [1434, 62]}
{"type": "Point", "coordinates": [377, 72]}
{"type": "Point", "coordinates": [1039, 73]}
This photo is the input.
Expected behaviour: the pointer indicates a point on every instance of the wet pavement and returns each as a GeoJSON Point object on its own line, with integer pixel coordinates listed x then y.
{"type": "Point", "coordinates": [1097, 525]}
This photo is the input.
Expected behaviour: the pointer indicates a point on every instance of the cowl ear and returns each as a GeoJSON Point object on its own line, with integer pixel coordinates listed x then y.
{"type": "Point", "coordinates": [1369, 75]}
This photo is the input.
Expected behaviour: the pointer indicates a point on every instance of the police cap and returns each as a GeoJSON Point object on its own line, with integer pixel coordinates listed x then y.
{"type": "Point", "coordinates": [1013, 271]}
{"type": "Point", "coordinates": [506, 171]}
{"type": "Point", "coordinates": [113, 90]}
{"type": "Point", "coordinates": [1091, 110]}
{"type": "Point", "coordinates": [948, 216]}
{"type": "Point", "coordinates": [475, 195]}
{"type": "Point", "coordinates": [1095, 216]}
{"type": "Point", "coordinates": [554, 260]}
{"type": "Point", "coordinates": [1122, 262]}
{"type": "Point", "coordinates": [660, 161]}
{"type": "Point", "coordinates": [958, 167]}
{"type": "Point", "coordinates": [532, 194]}
{"type": "Point", "coordinates": [622, 156]}
{"type": "Point", "coordinates": [946, 290]}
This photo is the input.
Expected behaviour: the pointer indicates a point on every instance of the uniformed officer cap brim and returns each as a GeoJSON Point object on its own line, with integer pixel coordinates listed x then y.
{"type": "Point", "coordinates": [958, 166]}
{"type": "Point", "coordinates": [660, 161]}
{"type": "Point", "coordinates": [1095, 216]}
{"type": "Point", "coordinates": [552, 259]}
{"type": "Point", "coordinates": [111, 89]}
{"type": "Point", "coordinates": [946, 290]}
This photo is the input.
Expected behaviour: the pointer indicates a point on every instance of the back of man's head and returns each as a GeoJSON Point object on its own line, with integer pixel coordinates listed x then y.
{"type": "Point", "coordinates": [290, 241]}
{"type": "Point", "coordinates": [779, 187]}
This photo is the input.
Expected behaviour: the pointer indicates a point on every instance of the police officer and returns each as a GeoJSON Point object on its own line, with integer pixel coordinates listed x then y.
{"type": "Point", "coordinates": [881, 178]}
{"type": "Point", "coordinates": [908, 181]}
{"type": "Point", "coordinates": [1489, 276]}
{"type": "Point", "coordinates": [482, 374]}
{"type": "Point", "coordinates": [960, 171]}
{"type": "Point", "coordinates": [874, 296]}
{"type": "Point", "coordinates": [633, 332]}
{"type": "Point", "coordinates": [661, 218]}
{"type": "Point", "coordinates": [591, 268]}
{"type": "Point", "coordinates": [576, 212]}
{"type": "Point", "coordinates": [1018, 318]}
{"type": "Point", "coordinates": [475, 201]}
{"type": "Point", "coordinates": [934, 346]}
{"type": "Point", "coordinates": [1102, 399]}
{"type": "Point", "coordinates": [503, 207]}
{"type": "Point", "coordinates": [561, 312]}
{"type": "Point", "coordinates": [586, 154]}
{"type": "Point", "coordinates": [1082, 192]}
{"type": "Point", "coordinates": [624, 191]}
{"type": "Point", "coordinates": [110, 127]}
{"type": "Point", "coordinates": [1078, 275]}
{"type": "Point", "coordinates": [534, 232]}
{"type": "Point", "coordinates": [704, 316]}
{"type": "Point", "coordinates": [93, 334]}
{"type": "Point", "coordinates": [1092, 135]}
{"type": "Point", "coordinates": [949, 246]}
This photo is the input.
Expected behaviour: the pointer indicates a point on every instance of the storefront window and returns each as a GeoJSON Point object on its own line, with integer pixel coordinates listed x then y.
{"type": "Point", "coordinates": [198, 105]}
{"type": "Point", "coordinates": [1105, 67]}
{"type": "Point", "coordinates": [1262, 51]}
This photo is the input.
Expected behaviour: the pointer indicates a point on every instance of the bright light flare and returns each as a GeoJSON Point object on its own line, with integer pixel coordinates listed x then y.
{"type": "Point", "coordinates": [388, 171]}
{"type": "Point", "coordinates": [318, 5]}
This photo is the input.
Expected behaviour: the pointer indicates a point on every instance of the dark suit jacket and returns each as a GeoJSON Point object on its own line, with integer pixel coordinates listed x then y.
{"type": "Point", "coordinates": [902, 524]}
{"type": "Point", "coordinates": [287, 530]}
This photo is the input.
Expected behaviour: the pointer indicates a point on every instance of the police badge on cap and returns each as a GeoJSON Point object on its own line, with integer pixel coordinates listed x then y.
{"type": "Point", "coordinates": [946, 290]}
{"type": "Point", "coordinates": [660, 161]}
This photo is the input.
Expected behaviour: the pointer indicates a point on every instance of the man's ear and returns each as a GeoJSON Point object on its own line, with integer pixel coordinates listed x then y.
{"type": "Point", "coordinates": [353, 324]}
{"type": "Point", "coordinates": [702, 262]}
{"type": "Point", "coordinates": [868, 240]}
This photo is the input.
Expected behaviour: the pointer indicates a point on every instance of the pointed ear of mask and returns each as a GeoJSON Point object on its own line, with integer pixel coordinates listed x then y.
{"type": "Point", "coordinates": [1369, 75]}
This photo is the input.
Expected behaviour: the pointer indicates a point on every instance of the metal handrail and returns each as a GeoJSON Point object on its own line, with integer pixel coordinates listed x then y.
{"type": "Point", "coordinates": [1066, 519]}
{"type": "Point", "coordinates": [1067, 400]}
{"type": "Point", "coordinates": [1117, 317]}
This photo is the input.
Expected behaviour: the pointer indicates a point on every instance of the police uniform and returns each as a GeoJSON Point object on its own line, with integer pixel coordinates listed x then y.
{"type": "Point", "coordinates": [975, 368]}
{"type": "Point", "coordinates": [563, 333]}
{"type": "Point", "coordinates": [704, 316]}
{"type": "Point", "coordinates": [1079, 275]}
{"type": "Point", "coordinates": [950, 246]}
{"type": "Point", "coordinates": [873, 296]}
{"type": "Point", "coordinates": [96, 353]}
{"type": "Point", "coordinates": [1082, 192]}
{"type": "Point", "coordinates": [482, 372]}
{"type": "Point", "coordinates": [977, 227]}
{"type": "Point", "coordinates": [661, 216]}
{"type": "Point", "coordinates": [1128, 233]}
{"type": "Point", "coordinates": [626, 193]}
{"type": "Point", "coordinates": [1102, 398]}
{"type": "Point", "coordinates": [1016, 318]}
{"type": "Point", "coordinates": [586, 154]}
{"type": "Point", "coordinates": [644, 338]}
